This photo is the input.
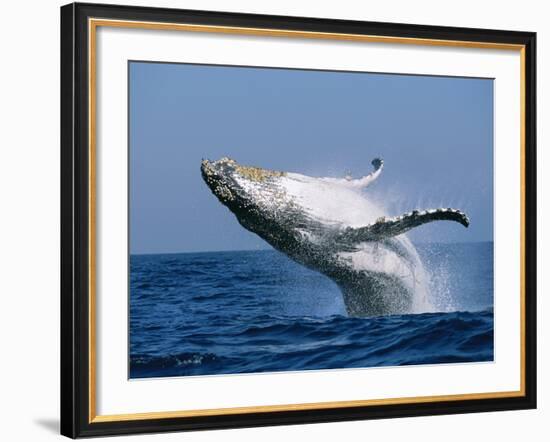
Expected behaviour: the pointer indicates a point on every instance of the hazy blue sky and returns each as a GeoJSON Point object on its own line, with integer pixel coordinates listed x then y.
{"type": "Point", "coordinates": [435, 135]}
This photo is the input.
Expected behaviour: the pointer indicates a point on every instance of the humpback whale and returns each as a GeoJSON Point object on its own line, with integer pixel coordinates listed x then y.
{"type": "Point", "coordinates": [331, 226]}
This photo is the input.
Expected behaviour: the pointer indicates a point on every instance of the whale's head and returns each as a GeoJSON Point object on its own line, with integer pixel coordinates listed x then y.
{"type": "Point", "coordinates": [240, 187]}
{"type": "Point", "coordinates": [255, 195]}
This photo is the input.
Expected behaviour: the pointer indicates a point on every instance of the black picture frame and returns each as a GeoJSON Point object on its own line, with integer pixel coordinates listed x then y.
{"type": "Point", "coordinates": [75, 219]}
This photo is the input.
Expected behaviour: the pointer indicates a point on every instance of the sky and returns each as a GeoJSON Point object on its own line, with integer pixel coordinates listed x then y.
{"type": "Point", "coordinates": [435, 135]}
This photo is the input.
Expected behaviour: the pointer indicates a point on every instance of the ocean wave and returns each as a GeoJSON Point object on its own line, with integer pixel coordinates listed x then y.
{"type": "Point", "coordinates": [336, 342]}
{"type": "Point", "coordinates": [206, 314]}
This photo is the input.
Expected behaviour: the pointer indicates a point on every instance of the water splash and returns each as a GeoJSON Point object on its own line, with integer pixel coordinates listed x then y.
{"type": "Point", "coordinates": [442, 295]}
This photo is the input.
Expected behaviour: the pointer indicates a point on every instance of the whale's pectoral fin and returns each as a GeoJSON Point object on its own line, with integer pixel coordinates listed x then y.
{"type": "Point", "coordinates": [367, 180]}
{"type": "Point", "coordinates": [385, 227]}
{"type": "Point", "coordinates": [363, 182]}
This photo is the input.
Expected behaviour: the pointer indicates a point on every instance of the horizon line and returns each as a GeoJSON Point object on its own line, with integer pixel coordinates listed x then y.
{"type": "Point", "coordinates": [272, 249]}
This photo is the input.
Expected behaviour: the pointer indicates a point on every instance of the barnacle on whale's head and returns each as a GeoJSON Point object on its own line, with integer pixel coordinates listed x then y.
{"type": "Point", "coordinates": [257, 173]}
{"type": "Point", "coordinates": [234, 184]}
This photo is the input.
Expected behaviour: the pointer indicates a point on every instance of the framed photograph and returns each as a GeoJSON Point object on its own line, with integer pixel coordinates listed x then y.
{"type": "Point", "coordinates": [275, 220]}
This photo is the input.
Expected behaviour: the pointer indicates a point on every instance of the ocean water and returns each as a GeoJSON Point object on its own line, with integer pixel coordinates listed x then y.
{"type": "Point", "coordinates": [258, 311]}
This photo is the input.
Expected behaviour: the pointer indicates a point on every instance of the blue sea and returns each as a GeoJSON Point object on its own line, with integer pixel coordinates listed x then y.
{"type": "Point", "coordinates": [258, 311]}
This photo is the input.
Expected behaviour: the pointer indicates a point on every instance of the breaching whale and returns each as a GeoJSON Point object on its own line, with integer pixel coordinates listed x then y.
{"type": "Point", "coordinates": [331, 226]}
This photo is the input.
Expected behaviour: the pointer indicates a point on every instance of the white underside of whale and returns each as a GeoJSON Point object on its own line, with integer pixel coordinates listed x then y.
{"type": "Point", "coordinates": [333, 202]}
